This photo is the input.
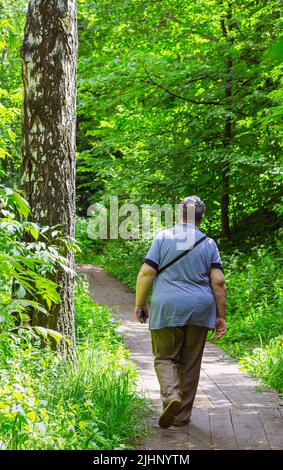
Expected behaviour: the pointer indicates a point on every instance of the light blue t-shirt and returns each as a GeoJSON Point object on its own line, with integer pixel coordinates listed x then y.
{"type": "Point", "coordinates": [182, 293]}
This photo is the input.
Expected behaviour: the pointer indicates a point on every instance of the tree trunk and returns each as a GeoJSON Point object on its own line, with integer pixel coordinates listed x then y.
{"type": "Point", "coordinates": [49, 55]}
{"type": "Point", "coordinates": [225, 168]}
{"type": "Point", "coordinates": [227, 137]}
{"type": "Point", "coordinates": [225, 227]}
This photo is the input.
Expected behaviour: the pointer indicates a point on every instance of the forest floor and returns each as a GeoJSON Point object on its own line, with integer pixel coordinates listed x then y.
{"type": "Point", "coordinates": [230, 411]}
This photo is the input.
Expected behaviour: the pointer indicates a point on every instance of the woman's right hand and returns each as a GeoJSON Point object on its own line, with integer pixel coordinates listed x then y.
{"type": "Point", "coordinates": [220, 328]}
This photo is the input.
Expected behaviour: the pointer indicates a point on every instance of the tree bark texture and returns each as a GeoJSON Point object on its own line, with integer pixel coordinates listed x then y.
{"type": "Point", "coordinates": [49, 56]}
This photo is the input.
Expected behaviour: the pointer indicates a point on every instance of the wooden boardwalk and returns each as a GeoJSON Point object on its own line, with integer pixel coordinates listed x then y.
{"type": "Point", "coordinates": [228, 412]}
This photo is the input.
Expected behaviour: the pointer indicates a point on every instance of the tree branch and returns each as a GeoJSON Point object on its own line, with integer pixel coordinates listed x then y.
{"type": "Point", "coordinates": [223, 28]}
{"type": "Point", "coordinates": [171, 93]}
{"type": "Point", "coordinates": [245, 82]}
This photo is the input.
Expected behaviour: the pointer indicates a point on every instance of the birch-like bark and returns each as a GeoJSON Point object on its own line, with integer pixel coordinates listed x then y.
{"type": "Point", "coordinates": [49, 55]}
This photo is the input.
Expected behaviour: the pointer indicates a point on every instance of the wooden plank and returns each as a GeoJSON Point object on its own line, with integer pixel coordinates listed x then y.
{"type": "Point", "coordinates": [180, 429]}
{"type": "Point", "coordinates": [219, 353]}
{"type": "Point", "coordinates": [200, 431]}
{"type": "Point", "coordinates": [216, 396]}
{"type": "Point", "coordinates": [249, 431]}
{"type": "Point", "coordinates": [223, 436]}
{"type": "Point", "coordinates": [246, 385]}
{"type": "Point", "coordinates": [273, 426]}
{"type": "Point", "coordinates": [240, 395]}
{"type": "Point", "coordinates": [202, 400]}
{"type": "Point", "coordinates": [175, 440]}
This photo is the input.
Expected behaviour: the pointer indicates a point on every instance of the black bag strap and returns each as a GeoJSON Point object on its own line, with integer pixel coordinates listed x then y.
{"type": "Point", "coordinates": [180, 256]}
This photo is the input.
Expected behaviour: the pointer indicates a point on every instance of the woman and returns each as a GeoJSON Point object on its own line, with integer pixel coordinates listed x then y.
{"type": "Point", "coordinates": [189, 298]}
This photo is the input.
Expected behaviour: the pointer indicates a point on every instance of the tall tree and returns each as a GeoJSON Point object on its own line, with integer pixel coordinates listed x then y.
{"type": "Point", "coordinates": [48, 168]}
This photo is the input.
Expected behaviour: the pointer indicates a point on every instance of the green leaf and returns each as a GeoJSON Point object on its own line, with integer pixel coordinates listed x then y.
{"type": "Point", "coordinates": [83, 424]}
{"type": "Point", "coordinates": [58, 336]}
{"type": "Point", "coordinates": [33, 229]}
{"type": "Point", "coordinates": [27, 303]}
{"type": "Point", "coordinates": [41, 331]}
{"type": "Point", "coordinates": [21, 204]}
{"type": "Point", "coordinates": [21, 292]}
{"type": "Point", "coordinates": [55, 335]}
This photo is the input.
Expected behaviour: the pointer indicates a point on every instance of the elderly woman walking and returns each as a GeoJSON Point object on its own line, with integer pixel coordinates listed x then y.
{"type": "Point", "coordinates": [189, 298]}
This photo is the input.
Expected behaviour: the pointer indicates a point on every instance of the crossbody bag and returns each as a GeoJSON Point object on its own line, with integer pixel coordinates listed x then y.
{"type": "Point", "coordinates": [180, 256]}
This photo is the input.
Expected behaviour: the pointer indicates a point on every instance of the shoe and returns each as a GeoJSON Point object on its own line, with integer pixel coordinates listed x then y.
{"type": "Point", "coordinates": [167, 416]}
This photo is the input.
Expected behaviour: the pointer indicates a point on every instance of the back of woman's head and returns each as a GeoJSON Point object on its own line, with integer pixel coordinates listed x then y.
{"type": "Point", "coordinates": [192, 210]}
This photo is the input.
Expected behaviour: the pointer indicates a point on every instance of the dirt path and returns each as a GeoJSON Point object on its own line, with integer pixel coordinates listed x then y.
{"type": "Point", "coordinates": [228, 413]}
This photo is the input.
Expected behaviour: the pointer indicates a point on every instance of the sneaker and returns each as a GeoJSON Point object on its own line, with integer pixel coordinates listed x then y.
{"type": "Point", "coordinates": [167, 416]}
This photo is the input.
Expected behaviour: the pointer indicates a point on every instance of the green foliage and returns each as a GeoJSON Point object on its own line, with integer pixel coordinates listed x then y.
{"type": "Point", "coordinates": [144, 70]}
{"type": "Point", "coordinates": [99, 326]}
{"type": "Point", "coordinates": [12, 16]}
{"type": "Point", "coordinates": [123, 259]}
{"type": "Point", "coordinates": [86, 245]}
{"type": "Point", "coordinates": [153, 104]}
{"type": "Point", "coordinates": [23, 265]}
{"type": "Point", "coordinates": [254, 300]}
{"type": "Point", "coordinates": [46, 403]}
{"type": "Point", "coordinates": [266, 362]}
{"type": "Point", "coordinates": [28, 255]}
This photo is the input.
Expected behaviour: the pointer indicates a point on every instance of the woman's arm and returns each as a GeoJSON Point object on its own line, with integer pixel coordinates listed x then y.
{"type": "Point", "coordinates": [220, 293]}
{"type": "Point", "coordinates": [145, 280]}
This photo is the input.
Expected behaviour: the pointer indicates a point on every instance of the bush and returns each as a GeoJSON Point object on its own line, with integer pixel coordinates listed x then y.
{"type": "Point", "coordinates": [267, 363]}
{"type": "Point", "coordinates": [90, 248]}
{"type": "Point", "coordinates": [28, 254]}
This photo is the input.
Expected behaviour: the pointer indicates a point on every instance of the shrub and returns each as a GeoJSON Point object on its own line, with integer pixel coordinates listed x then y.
{"type": "Point", "coordinates": [266, 362]}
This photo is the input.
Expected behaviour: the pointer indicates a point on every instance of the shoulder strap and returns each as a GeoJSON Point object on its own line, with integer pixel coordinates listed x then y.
{"type": "Point", "coordinates": [180, 256]}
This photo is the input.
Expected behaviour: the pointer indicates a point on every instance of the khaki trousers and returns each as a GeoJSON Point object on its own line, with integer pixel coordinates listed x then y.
{"type": "Point", "coordinates": [177, 360]}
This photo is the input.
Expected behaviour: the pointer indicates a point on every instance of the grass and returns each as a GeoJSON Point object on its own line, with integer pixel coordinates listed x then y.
{"type": "Point", "coordinates": [266, 362]}
{"type": "Point", "coordinates": [47, 403]}
{"type": "Point", "coordinates": [255, 320]}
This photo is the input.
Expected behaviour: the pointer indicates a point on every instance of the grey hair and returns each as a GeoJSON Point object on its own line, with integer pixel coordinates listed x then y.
{"type": "Point", "coordinates": [192, 209]}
